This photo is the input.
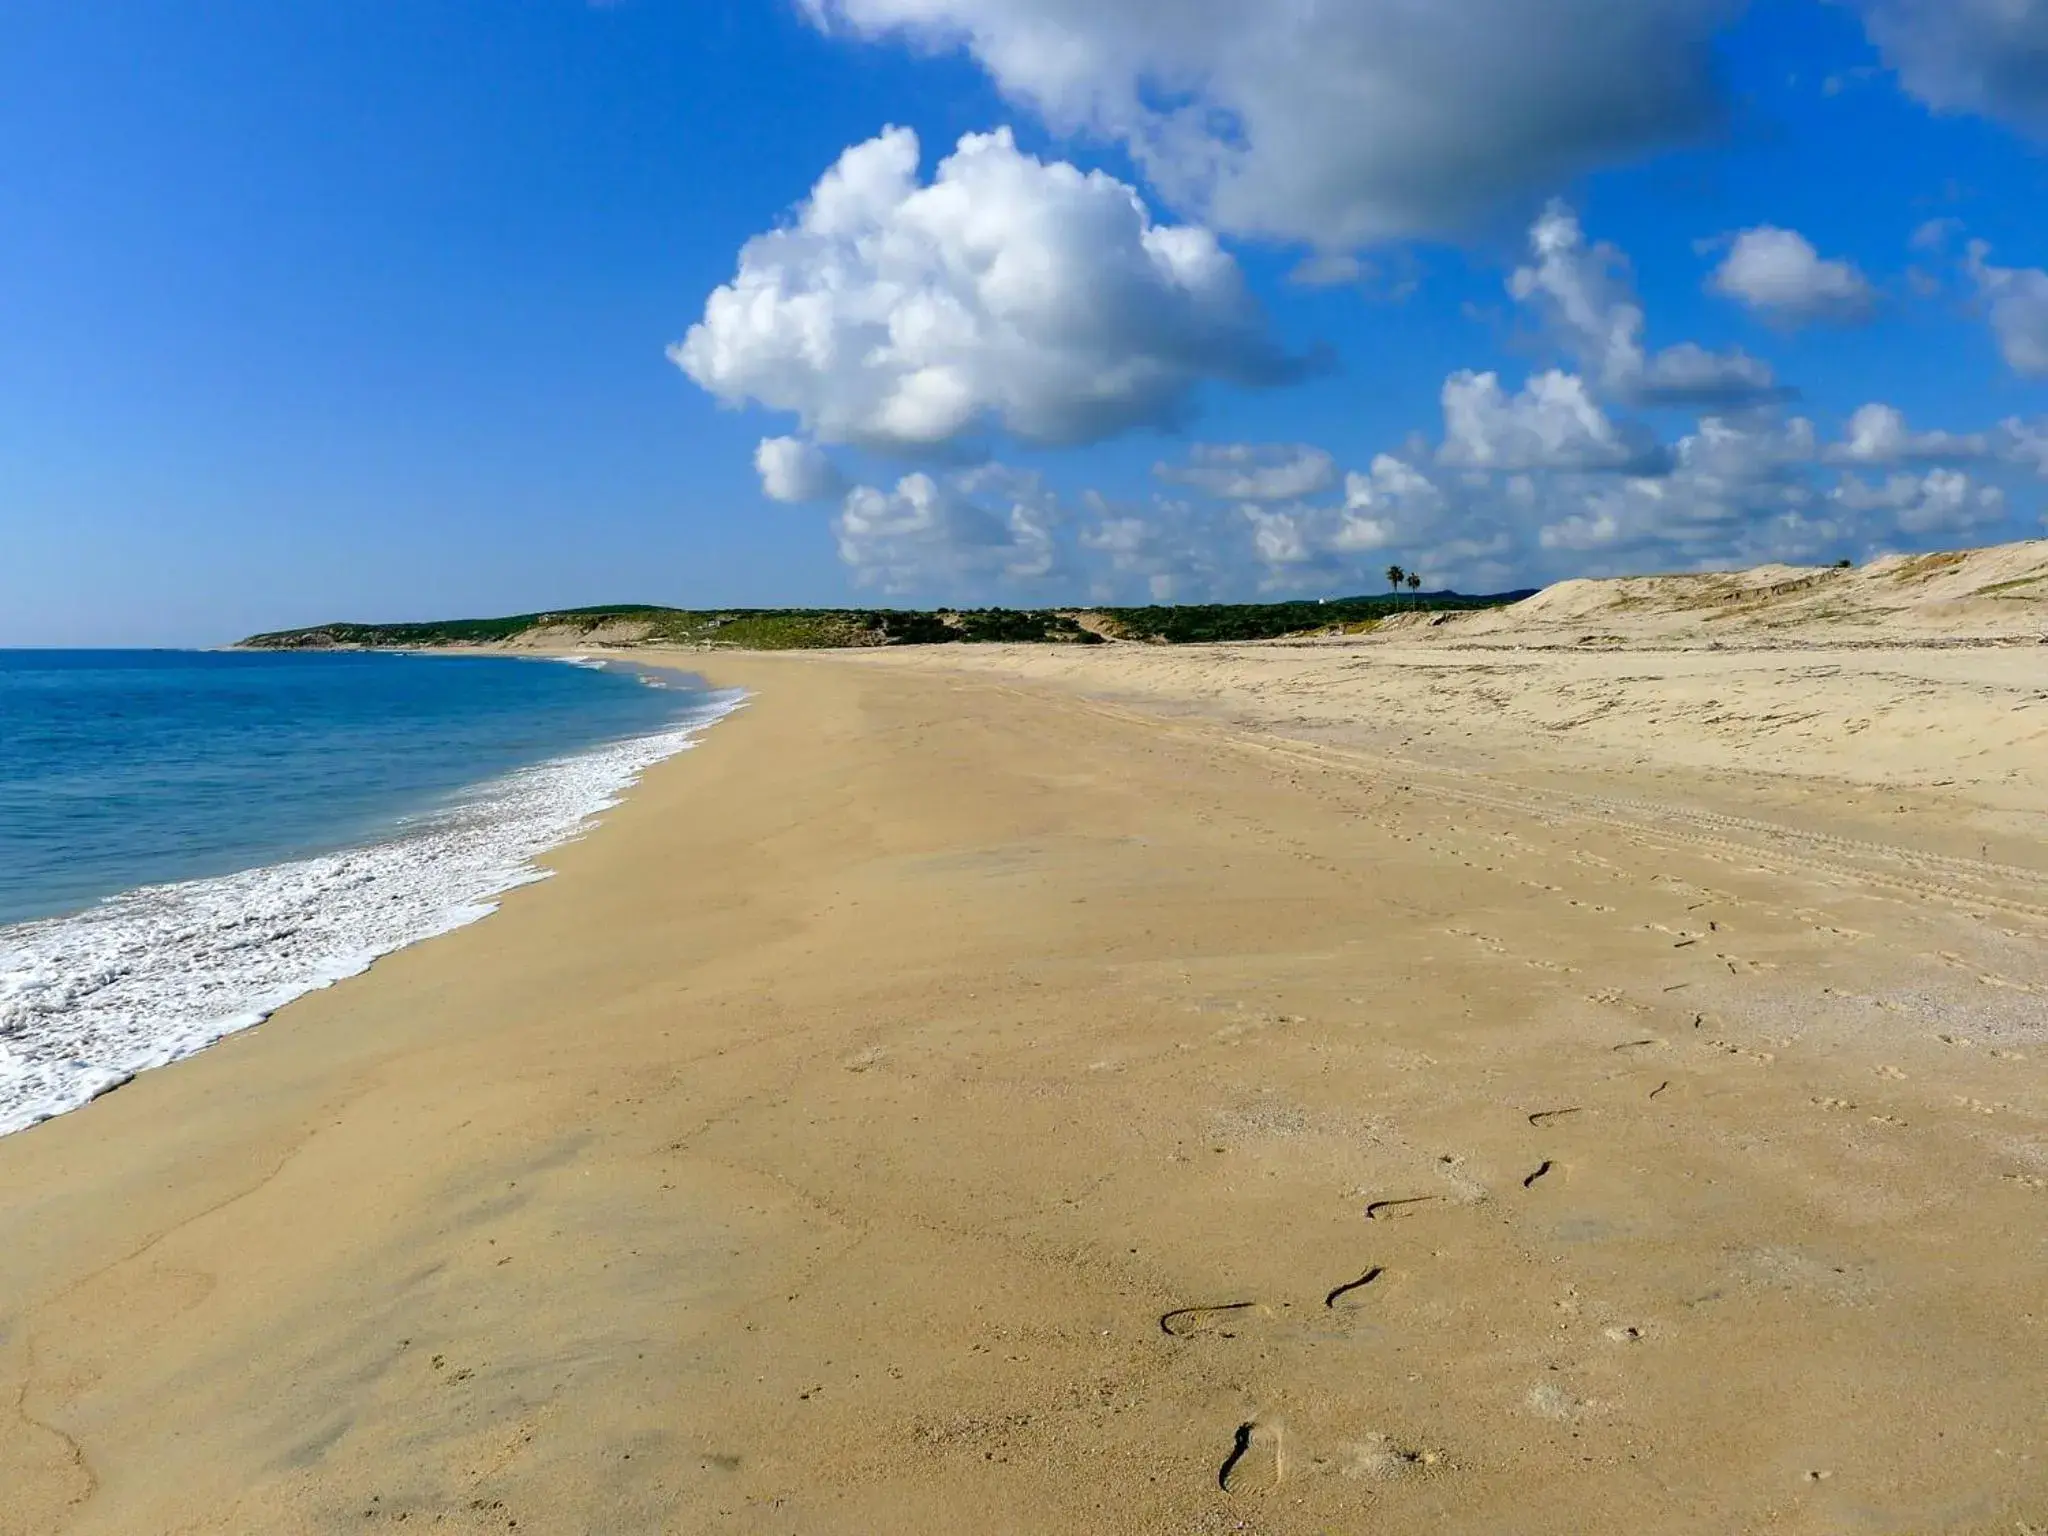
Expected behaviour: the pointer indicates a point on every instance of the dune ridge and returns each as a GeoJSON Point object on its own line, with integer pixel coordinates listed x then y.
{"type": "Point", "coordinates": [1999, 593]}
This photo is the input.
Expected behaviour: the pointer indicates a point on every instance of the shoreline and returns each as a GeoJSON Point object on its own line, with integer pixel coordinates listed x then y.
{"type": "Point", "coordinates": [944, 1101]}
{"type": "Point", "coordinates": [169, 970]}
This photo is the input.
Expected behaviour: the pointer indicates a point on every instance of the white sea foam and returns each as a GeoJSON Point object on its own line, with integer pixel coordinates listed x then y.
{"type": "Point", "coordinates": [155, 974]}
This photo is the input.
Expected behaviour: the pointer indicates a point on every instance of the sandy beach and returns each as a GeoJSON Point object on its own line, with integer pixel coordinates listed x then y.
{"type": "Point", "coordinates": [1382, 1086]}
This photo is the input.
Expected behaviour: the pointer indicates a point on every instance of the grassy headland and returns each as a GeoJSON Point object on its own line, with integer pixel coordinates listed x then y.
{"type": "Point", "coordinates": [784, 629]}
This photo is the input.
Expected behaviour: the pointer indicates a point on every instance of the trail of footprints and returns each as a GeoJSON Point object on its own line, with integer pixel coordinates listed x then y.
{"type": "Point", "coordinates": [1256, 1458]}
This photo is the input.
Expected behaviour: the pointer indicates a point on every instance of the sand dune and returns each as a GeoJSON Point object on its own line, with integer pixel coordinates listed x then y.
{"type": "Point", "coordinates": [1995, 594]}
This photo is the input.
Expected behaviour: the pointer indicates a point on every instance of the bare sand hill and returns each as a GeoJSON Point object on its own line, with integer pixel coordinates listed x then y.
{"type": "Point", "coordinates": [1375, 1087]}
{"type": "Point", "coordinates": [1995, 594]}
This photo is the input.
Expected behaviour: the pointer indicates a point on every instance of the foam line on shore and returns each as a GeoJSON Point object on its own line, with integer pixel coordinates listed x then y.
{"type": "Point", "coordinates": [152, 975]}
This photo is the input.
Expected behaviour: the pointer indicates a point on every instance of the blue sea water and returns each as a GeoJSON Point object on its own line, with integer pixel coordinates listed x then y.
{"type": "Point", "coordinates": [189, 839]}
{"type": "Point", "coordinates": [127, 768]}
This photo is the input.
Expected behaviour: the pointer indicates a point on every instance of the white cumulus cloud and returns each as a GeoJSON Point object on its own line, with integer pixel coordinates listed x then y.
{"type": "Point", "coordinates": [1986, 56]}
{"type": "Point", "coordinates": [1738, 490]}
{"type": "Point", "coordinates": [793, 470]}
{"type": "Point", "coordinates": [1338, 124]}
{"type": "Point", "coordinates": [1165, 550]}
{"type": "Point", "coordinates": [1778, 272]}
{"type": "Point", "coordinates": [1253, 471]}
{"type": "Point", "coordinates": [1552, 422]}
{"type": "Point", "coordinates": [1945, 501]}
{"type": "Point", "coordinates": [1878, 434]}
{"type": "Point", "coordinates": [1391, 501]}
{"type": "Point", "coordinates": [1007, 293]}
{"type": "Point", "coordinates": [982, 528]}
{"type": "Point", "coordinates": [2024, 442]}
{"type": "Point", "coordinates": [1586, 294]}
{"type": "Point", "coordinates": [2016, 299]}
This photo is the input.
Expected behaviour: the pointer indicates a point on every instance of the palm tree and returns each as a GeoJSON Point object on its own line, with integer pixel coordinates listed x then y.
{"type": "Point", "coordinates": [1395, 576]}
{"type": "Point", "coordinates": [1414, 582]}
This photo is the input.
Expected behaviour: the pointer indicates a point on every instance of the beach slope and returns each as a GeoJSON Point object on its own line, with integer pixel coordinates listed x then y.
{"type": "Point", "coordinates": [962, 1098]}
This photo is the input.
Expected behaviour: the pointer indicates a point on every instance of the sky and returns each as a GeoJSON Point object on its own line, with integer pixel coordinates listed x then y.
{"type": "Point", "coordinates": [332, 311]}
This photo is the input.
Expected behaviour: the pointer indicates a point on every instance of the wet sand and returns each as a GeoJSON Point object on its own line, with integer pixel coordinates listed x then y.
{"type": "Point", "coordinates": [1030, 1092]}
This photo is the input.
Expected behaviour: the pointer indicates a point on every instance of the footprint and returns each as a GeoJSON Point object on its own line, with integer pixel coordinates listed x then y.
{"type": "Point", "coordinates": [1552, 1402]}
{"type": "Point", "coordinates": [1730, 1048]}
{"type": "Point", "coordinates": [1382, 1456]}
{"type": "Point", "coordinates": [1989, 980]}
{"type": "Point", "coordinates": [1544, 1167]}
{"type": "Point", "coordinates": [1387, 1210]}
{"type": "Point", "coordinates": [1978, 1106]}
{"type": "Point", "coordinates": [1186, 1322]}
{"type": "Point", "coordinates": [1349, 1286]}
{"type": "Point", "coordinates": [1258, 1458]}
{"type": "Point", "coordinates": [1469, 1191]}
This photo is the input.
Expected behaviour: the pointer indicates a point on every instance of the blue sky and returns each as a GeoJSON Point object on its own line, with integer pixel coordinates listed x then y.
{"type": "Point", "coordinates": [338, 311]}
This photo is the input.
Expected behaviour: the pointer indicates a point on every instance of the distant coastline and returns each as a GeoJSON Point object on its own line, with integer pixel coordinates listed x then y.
{"type": "Point", "coordinates": [784, 629]}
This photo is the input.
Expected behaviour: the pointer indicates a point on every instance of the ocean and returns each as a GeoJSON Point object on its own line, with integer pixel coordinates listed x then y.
{"type": "Point", "coordinates": [190, 839]}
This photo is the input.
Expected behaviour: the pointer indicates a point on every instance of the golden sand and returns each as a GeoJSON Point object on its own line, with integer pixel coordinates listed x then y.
{"type": "Point", "coordinates": [1102, 1091]}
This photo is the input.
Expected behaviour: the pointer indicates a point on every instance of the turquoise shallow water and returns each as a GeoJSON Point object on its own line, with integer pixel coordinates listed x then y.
{"type": "Point", "coordinates": [190, 840]}
{"type": "Point", "coordinates": [128, 768]}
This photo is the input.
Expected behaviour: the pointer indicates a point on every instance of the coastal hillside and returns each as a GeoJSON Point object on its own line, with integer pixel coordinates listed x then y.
{"type": "Point", "coordinates": [781, 629]}
{"type": "Point", "coordinates": [1994, 594]}
{"type": "Point", "coordinates": [1997, 594]}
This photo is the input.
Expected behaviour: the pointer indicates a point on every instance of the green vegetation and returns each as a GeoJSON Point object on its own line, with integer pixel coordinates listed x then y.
{"type": "Point", "coordinates": [783, 629]}
{"type": "Point", "coordinates": [1920, 566]}
{"type": "Point", "coordinates": [2002, 588]}
{"type": "Point", "coordinates": [1269, 621]}
{"type": "Point", "coordinates": [442, 632]}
